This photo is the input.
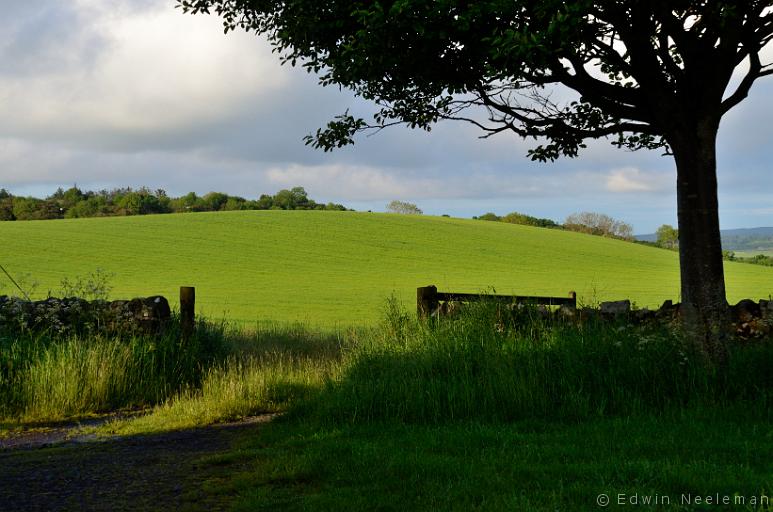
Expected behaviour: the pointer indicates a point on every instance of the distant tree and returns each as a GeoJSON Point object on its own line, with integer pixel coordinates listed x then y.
{"type": "Point", "coordinates": [598, 224]}
{"type": "Point", "coordinates": [667, 236]}
{"type": "Point", "coordinates": [335, 207]}
{"type": "Point", "coordinates": [27, 208]}
{"type": "Point", "coordinates": [142, 202]}
{"type": "Point", "coordinates": [71, 197]}
{"type": "Point", "coordinates": [93, 206]}
{"type": "Point", "coordinates": [528, 220]}
{"type": "Point", "coordinates": [130, 204]}
{"type": "Point", "coordinates": [6, 207]}
{"type": "Point", "coordinates": [293, 199]}
{"type": "Point", "coordinates": [190, 202]}
{"type": "Point", "coordinates": [264, 202]}
{"type": "Point", "coordinates": [760, 259]}
{"type": "Point", "coordinates": [30, 208]}
{"type": "Point", "coordinates": [490, 216]}
{"type": "Point", "coordinates": [235, 203]}
{"type": "Point", "coordinates": [214, 201]}
{"type": "Point", "coordinates": [403, 207]}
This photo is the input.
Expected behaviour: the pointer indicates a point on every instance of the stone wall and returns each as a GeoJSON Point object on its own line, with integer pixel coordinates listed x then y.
{"type": "Point", "coordinates": [73, 314]}
{"type": "Point", "coordinates": [749, 319]}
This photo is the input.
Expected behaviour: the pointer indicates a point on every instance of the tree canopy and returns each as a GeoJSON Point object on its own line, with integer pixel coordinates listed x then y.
{"type": "Point", "coordinates": [633, 63]}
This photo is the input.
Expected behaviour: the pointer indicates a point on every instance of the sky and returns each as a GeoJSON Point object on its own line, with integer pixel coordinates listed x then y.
{"type": "Point", "coordinates": [130, 93]}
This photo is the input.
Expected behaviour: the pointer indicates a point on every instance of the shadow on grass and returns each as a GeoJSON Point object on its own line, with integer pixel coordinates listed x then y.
{"type": "Point", "coordinates": [525, 466]}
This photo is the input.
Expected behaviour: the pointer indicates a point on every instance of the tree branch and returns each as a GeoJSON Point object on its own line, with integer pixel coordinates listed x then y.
{"type": "Point", "coordinates": [742, 91]}
{"type": "Point", "coordinates": [618, 101]}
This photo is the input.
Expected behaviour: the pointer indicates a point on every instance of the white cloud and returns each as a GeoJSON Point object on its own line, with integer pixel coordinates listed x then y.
{"type": "Point", "coordinates": [631, 179]}
{"type": "Point", "coordinates": [156, 71]}
{"type": "Point", "coordinates": [362, 182]}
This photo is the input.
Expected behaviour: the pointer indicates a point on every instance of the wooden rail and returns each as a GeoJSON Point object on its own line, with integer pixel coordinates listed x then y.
{"type": "Point", "coordinates": [428, 299]}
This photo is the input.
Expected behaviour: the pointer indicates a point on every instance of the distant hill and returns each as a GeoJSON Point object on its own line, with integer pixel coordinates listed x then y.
{"type": "Point", "coordinates": [743, 239]}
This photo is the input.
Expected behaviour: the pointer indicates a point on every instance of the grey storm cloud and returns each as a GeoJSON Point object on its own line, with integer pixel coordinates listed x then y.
{"type": "Point", "coordinates": [133, 92]}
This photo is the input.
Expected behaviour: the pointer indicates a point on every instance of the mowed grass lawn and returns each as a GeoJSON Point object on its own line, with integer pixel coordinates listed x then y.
{"type": "Point", "coordinates": [337, 268]}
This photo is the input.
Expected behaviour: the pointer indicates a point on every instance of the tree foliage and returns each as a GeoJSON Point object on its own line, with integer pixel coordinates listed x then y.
{"type": "Point", "coordinates": [490, 216]}
{"type": "Point", "coordinates": [621, 57]}
{"type": "Point", "coordinates": [598, 224]}
{"type": "Point", "coordinates": [520, 218]}
{"type": "Point", "coordinates": [403, 207]}
{"type": "Point", "coordinates": [528, 220]}
{"type": "Point", "coordinates": [667, 236]}
{"type": "Point", "coordinates": [75, 203]}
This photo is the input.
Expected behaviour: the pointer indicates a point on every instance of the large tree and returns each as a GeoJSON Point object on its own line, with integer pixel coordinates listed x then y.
{"type": "Point", "coordinates": [649, 74]}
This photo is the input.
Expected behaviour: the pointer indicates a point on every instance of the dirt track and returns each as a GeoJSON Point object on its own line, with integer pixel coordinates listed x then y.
{"type": "Point", "coordinates": [156, 472]}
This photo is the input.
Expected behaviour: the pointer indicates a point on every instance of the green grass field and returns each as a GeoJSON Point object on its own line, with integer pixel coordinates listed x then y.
{"type": "Point", "coordinates": [337, 268]}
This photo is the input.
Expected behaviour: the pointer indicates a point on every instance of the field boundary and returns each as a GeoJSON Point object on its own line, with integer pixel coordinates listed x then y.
{"type": "Point", "coordinates": [428, 299]}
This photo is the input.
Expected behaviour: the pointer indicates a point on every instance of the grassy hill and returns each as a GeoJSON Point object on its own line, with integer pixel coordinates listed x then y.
{"type": "Point", "coordinates": [331, 268]}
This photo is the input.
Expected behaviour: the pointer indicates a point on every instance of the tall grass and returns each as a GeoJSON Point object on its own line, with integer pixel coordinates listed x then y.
{"type": "Point", "coordinates": [45, 376]}
{"type": "Point", "coordinates": [484, 365]}
{"type": "Point", "coordinates": [488, 366]}
{"type": "Point", "coordinates": [270, 370]}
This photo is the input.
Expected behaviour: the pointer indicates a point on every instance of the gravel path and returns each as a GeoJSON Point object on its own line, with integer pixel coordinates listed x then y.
{"type": "Point", "coordinates": [154, 472]}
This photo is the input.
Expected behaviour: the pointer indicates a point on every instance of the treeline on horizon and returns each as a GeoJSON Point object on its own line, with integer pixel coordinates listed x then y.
{"type": "Point", "coordinates": [599, 224]}
{"type": "Point", "coordinates": [590, 223]}
{"type": "Point", "coordinates": [75, 203]}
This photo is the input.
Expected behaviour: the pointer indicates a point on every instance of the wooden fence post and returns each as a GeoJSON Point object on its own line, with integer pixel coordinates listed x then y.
{"type": "Point", "coordinates": [426, 300]}
{"type": "Point", "coordinates": [187, 310]}
{"type": "Point", "coordinates": [573, 296]}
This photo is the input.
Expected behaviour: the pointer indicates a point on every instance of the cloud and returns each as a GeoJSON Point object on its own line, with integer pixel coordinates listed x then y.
{"type": "Point", "coordinates": [132, 71]}
{"type": "Point", "coordinates": [468, 182]}
{"type": "Point", "coordinates": [354, 181]}
{"type": "Point", "coordinates": [631, 179]}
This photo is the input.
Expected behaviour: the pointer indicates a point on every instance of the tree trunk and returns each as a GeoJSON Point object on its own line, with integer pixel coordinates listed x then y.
{"type": "Point", "coordinates": [705, 313]}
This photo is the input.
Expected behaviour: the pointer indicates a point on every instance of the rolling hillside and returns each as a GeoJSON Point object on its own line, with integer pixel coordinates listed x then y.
{"type": "Point", "coordinates": [337, 268]}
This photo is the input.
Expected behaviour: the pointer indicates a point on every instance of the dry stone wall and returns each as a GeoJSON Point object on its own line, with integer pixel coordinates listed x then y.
{"type": "Point", "coordinates": [73, 314]}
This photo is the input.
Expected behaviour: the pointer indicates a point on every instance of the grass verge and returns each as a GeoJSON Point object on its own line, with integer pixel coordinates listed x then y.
{"type": "Point", "coordinates": [487, 411]}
